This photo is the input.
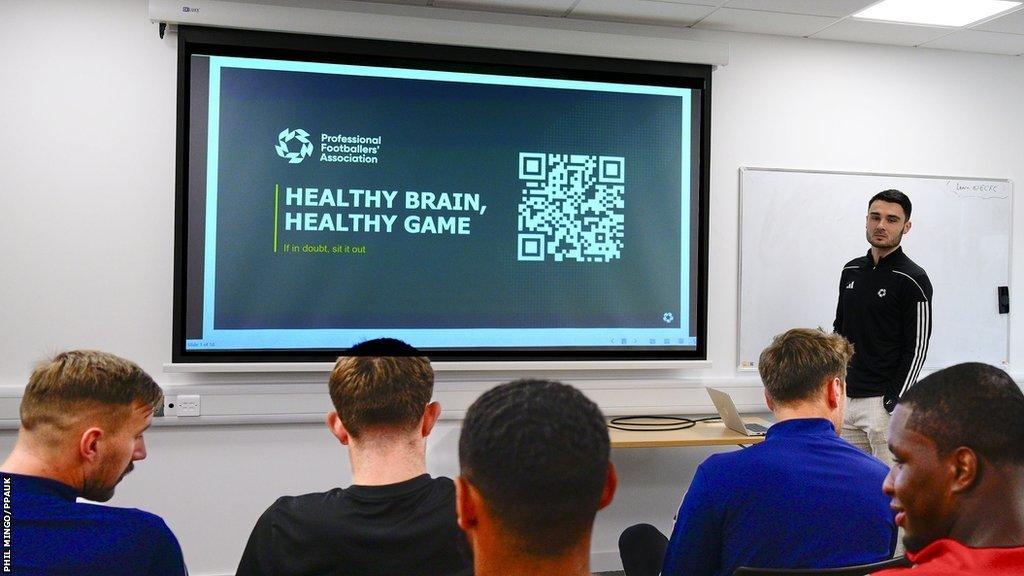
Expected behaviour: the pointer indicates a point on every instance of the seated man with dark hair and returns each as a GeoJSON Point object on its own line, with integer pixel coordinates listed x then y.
{"type": "Point", "coordinates": [957, 485]}
{"type": "Point", "coordinates": [83, 415]}
{"type": "Point", "coordinates": [803, 498]}
{"type": "Point", "coordinates": [535, 470]}
{"type": "Point", "coordinates": [394, 519]}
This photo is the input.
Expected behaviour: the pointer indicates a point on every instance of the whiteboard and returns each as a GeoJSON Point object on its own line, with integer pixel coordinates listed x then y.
{"type": "Point", "coordinates": [798, 228]}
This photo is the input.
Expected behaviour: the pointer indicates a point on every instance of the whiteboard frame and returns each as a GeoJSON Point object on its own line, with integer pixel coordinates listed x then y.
{"type": "Point", "coordinates": [739, 242]}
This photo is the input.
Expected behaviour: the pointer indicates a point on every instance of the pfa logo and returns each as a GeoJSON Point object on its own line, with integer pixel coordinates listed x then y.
{"type": "Point", "coordinates": [305, 148]}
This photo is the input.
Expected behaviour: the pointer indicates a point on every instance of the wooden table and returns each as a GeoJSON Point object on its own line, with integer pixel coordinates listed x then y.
{"type": "Point", "coordinates": [702, 434]}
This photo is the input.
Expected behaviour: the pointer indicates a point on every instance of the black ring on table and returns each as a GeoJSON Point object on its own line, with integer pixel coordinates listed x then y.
{"type": "Point", "coordinates": [666, 424]}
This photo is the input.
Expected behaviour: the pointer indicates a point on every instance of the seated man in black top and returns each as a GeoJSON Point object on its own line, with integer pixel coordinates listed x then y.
{"type": "Point", "coordinates": [535, 471]}
{"type": "Point", "coordinates": [395, 518]}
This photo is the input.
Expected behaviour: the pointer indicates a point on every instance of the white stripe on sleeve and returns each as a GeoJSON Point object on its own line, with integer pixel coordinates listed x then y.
{"type": "Point", "coordinates": [920, 346]}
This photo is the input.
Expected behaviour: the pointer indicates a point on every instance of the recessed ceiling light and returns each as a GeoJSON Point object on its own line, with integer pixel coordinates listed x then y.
{"type": "Point", "coordinates": [935, 12]}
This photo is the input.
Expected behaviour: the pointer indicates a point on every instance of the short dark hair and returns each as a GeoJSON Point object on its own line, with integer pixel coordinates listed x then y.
{"type": "Point", "coordinates": [973, 405]}
{"type": "Point", "coordinates": [896, 197]}
{"type": "Point", "coordinates": [538, 453]}
{"type": "Point", "coordinates": [383, 382]}
{"type": "Point", "coordinates": [382, 347]}
{"type": "Point", "coordinates": [796, 364]}
{"type": "Point", "coordinates": [59, 388]}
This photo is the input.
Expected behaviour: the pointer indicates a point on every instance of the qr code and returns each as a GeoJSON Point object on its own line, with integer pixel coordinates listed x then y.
{"type": "Point", "coordinates": [572, 207]}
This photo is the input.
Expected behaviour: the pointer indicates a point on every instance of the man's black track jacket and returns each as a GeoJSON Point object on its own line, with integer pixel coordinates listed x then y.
{"type": "Point", "coordinates": [885, 310]}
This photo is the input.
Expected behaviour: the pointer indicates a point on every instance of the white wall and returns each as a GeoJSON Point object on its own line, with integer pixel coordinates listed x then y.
{"type": "Point", "coordinates": [86, 225]}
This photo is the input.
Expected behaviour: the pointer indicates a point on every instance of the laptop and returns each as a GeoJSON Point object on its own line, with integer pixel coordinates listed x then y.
{"type": "Point", "coordinates": [727, 410]}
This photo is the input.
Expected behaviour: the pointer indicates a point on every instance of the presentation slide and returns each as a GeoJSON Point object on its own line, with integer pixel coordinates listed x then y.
{"type": "Point", "coordinates": [333, 203]}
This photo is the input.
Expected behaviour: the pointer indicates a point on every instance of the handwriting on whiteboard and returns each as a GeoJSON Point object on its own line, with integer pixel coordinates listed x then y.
{"type": "Point", "coordinates": [984, 190]}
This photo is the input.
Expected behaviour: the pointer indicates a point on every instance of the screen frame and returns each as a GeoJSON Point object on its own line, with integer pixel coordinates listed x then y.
{"type": "Point", "coordinates": [333, 49]}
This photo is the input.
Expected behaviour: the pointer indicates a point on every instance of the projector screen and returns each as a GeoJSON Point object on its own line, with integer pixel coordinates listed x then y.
{"type": "Point", "coordinates": [478, 204]}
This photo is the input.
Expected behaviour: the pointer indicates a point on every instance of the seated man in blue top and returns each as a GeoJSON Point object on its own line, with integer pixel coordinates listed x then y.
{"type": "Point", "coordinates": [83, 415]}
{"type": "Point", "coordinates": [804, 498]}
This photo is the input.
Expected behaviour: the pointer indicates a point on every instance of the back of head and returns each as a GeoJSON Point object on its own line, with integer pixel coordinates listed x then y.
{"type": "Point", "coordinates": [538, 453]}
{"type": "Point", "coordinates": [382, 383]}
{"type": "Point", "coordinates": [71, 385]}
{"type": "Point", "coordinates": [973, 405]}
{"type": "Point", "coordinates": [796, 365]}
{"type": "Point", "coordinates": [896, 197]}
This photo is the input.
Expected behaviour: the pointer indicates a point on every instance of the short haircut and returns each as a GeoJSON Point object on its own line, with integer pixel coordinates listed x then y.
{"type": "Point", "coordinates": [796, 364]}
{"type": "Point", "coordinates": [381, 383]}
{"type": "Point", "coordinates": [538, 453]}
{"type": "Point", "coordinates": [973, 405]}
{"type": "Point", "coordinates": [896, 197]}
{"type": "Point", "coordinates": [61, 388]}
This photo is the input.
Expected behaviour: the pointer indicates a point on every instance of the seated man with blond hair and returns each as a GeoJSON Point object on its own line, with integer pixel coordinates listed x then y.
{"type": "Point", "coordinates": [83, 415]}
{"type": "Point", "coordinates": [394, 518]}
{"type": "Point", "coordinates": [803, 498]}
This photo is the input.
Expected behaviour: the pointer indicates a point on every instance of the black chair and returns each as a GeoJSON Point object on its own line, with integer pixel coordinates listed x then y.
{"type": "Point", "coordinates": [642, 550]}
{"type": "Point", "coordinates": [859, 570]}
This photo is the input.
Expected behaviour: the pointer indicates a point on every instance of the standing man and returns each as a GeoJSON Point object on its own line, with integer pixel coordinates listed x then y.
{"type": "Point", "coordinates": [884, 310]}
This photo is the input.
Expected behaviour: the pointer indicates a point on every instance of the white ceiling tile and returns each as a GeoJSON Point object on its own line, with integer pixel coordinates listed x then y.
{"type": "Point", "coordinates": [332, 4]}
{"type": "Point", "coordinates": [1002, 35]}
{"type": "Point", "coordinates": [535, 7]}
{"type": "Point", "coordinates": [812, 7]}
{"type": "Point", "coordinates": [697, 2]}
{"type": "Point", "coordinates": [764, 22]}
{"type": "Point", "coordinates": [641, 11]}
{"type": "Point", "coordinates": [1012, 23]}
{"type": "Point", "coordinates": [853, 30]}
{"type": "Point", "coordinates": [980, 41]}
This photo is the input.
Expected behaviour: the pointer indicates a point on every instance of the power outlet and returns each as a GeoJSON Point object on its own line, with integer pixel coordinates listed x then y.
{"type": "Point", "coordinates": [188, 405]}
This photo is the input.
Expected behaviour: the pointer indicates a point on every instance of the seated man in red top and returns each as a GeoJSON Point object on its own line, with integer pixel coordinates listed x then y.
{"type": "Point", "coordinates": [957, 485]}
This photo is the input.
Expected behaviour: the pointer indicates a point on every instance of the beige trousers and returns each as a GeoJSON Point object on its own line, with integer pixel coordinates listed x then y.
{"type": "Point", "coordinates": [866, 426]}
